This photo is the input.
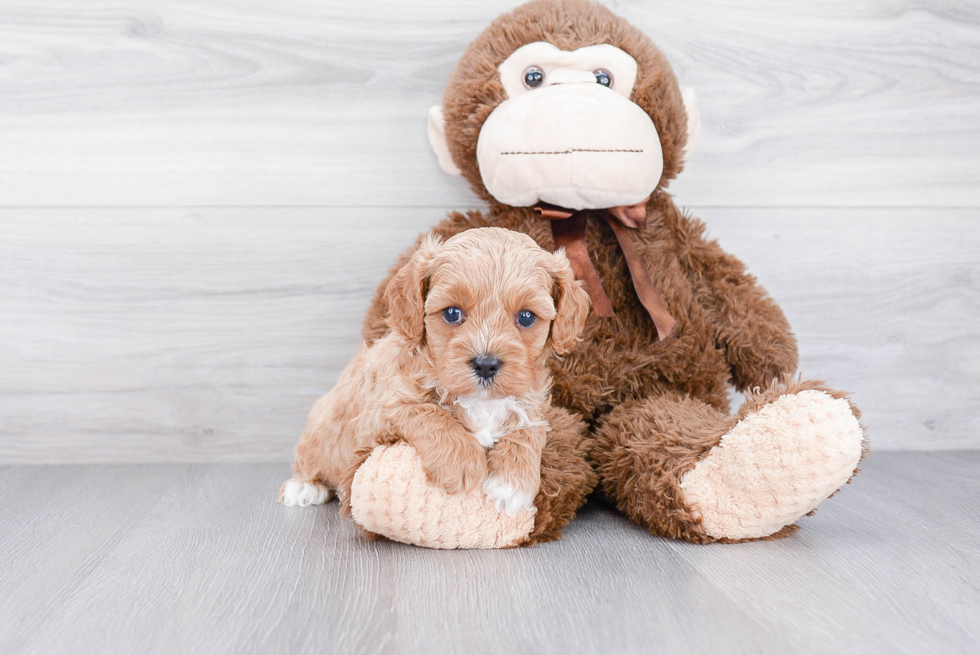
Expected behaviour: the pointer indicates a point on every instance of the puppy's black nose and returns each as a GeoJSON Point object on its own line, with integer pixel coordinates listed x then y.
{"type": "Point", "coordinates": [486, 366]}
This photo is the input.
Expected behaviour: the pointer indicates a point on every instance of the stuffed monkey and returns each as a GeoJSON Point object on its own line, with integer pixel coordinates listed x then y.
{"type": "Point", "coordinates": [569, 123]}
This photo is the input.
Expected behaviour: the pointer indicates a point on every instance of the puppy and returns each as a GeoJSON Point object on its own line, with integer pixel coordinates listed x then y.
{"type": "Point", "coordinates": [462, 374]}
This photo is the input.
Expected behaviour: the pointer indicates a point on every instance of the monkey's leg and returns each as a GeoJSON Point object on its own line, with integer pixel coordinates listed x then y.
{"type": "Point", "coordinates": [687, 471]}
{"type": "Point", "coordinates": [389, 496]}
{"type": "Point", "coordinates": [566, 475]}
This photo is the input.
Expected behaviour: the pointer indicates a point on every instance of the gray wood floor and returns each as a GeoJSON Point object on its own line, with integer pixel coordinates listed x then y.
{"type": "Point", "coordinates": [196, 558]}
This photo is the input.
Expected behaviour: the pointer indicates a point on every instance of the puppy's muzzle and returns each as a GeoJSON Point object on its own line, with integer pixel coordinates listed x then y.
{"type": "Point", "coordinates": [486, 366]}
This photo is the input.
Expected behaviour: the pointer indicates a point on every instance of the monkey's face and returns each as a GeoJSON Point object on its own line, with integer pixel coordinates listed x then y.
{"type": "Point", "coordinates": [565, 103]}
{"type": "Point", "coordinates": [568, 133]}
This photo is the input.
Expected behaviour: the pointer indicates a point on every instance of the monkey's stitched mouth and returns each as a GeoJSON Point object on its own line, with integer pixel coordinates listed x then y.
{"type": "Point", "coordinates": [567, 152]}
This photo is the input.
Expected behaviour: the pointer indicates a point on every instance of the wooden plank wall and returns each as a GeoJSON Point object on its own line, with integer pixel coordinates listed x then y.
{"type": "Point", "coordinates": [198, 197]}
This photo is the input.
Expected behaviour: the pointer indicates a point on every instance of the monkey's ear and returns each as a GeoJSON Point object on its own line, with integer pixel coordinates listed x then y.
{"type": "Point", "coordinates": [693, 120]}
{"type": "Point", "coordinates": [406, 292]}
{"type": "Point", "coordinates": [437, 139]}
{"type": "Point", "coordinates": [571, 306]}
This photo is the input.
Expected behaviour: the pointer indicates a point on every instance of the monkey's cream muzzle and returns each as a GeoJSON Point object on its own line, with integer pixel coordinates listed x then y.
{"type": "Point", "coordinates": [575, 145]}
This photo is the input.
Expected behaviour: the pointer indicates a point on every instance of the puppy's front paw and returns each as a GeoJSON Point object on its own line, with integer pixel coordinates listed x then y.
{"type": "Point", "coordinates": [507, 497]}
{"type": "Point", "coordinates": [301, 493]}
{"type": "Point", "coordinates": [457, 470]}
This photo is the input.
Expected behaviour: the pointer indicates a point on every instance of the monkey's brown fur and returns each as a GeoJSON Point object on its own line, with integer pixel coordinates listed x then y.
{"type": "Point", "coordinates": [654, 408]}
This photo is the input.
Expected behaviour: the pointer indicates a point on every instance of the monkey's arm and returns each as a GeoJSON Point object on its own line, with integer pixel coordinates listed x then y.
{"type": "Point", "coordinates": [759, 344]}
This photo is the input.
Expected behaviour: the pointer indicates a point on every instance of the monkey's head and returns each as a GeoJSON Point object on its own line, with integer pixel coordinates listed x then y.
{"type": "Point", "coordinates": [563, 102]}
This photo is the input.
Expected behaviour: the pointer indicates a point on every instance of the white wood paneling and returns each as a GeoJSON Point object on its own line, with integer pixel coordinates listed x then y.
{"type": "Point", "coordinates": [208, 102]}
{"type": "Point", "coordinates": [201, 195]}
{"type": "Point", "coordinates": [188, 335]}
{"type": "Point", "coordinates": [180, 334]}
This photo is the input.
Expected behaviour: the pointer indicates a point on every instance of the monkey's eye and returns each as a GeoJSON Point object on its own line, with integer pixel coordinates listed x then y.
{"type": "Point", "coordinates": [452, 315]}
{"type": "Point", "coordinates": [603, 77]}
{"type": "Point", "coordinates": [526, 318]}
{"type": "Point", "coordinates": [533, 77]}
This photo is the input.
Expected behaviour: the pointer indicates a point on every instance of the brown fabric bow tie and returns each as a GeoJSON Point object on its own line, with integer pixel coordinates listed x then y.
{"type": "Point", "coordinates": [568, 229]}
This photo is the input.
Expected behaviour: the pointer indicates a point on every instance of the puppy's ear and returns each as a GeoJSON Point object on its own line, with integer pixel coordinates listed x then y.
{"type": "Point", "coordinates": [571, 305]}
{"type": "Point", "coordinates": [406, 291]}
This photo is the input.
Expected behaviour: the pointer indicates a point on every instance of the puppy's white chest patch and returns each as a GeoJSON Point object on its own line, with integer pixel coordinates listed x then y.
{"type": "Point", "coordinates": [490, 419]}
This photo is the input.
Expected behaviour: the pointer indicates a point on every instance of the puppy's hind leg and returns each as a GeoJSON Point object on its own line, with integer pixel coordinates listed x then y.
{"type": "Point", "coordinates": [308, 486]}
{"type": "Point", "coordinates": [303, 493]}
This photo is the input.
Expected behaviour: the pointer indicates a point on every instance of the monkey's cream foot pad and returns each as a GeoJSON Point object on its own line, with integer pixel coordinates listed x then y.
{"type": "Point", "coordinates": [775, 466]}
{"type": "Point", "coordinates": [391, 497]}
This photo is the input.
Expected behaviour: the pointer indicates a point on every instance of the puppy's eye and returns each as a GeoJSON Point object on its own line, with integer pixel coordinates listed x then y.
{"type": "Point", "coordinates": [533, 77]}
{"type": "Point", "coordinates": [452, 315]}
{"type": "Point", "coordinates": [603, 77]}
{"type": "Point", "coordinates": [526, 318]}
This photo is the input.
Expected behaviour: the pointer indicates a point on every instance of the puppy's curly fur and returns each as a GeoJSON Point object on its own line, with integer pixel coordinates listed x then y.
{"type": "Point", "coordinates": [419, 383]}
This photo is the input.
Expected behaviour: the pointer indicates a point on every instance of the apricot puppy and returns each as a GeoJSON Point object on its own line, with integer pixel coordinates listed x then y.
{"type": "Point", "coordinates": [462, 373]}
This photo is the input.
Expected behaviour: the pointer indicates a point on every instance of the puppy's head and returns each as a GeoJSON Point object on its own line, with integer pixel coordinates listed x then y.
{"type": "Point", "coordinates": [487, 307]}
